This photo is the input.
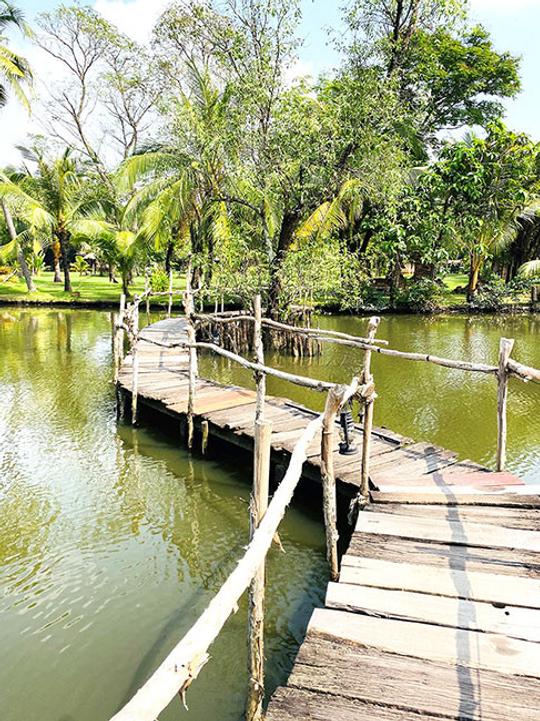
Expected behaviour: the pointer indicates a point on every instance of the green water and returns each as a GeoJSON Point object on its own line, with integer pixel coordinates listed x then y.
{"type": "Point", "coordinates": [113, 541]}
{"type": "Point", "coordinates": [452, 408]}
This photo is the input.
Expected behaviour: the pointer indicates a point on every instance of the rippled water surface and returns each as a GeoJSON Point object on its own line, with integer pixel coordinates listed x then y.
{"type": "Point", "coordinates": [112, 541]}
{"type": "Point", "coordinates": [452, 408]}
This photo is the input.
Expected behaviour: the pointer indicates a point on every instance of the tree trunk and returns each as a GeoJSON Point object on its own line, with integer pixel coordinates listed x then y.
{"type": "Point", "coordinates": [63, 240]}
{"type": "Point", "coordinates": [395, 279]}
{"type": "Point", "coordinates": [125, 283]}
{"type": "Point", "coordinates": [168, 257]}
{"type": "Point", "coordinates": [474, 272]}
{"type": "Point", "coordinates": [20, 255]}
{"type": "Point", "coordinates": [55, 247]}
{"type": "Point", "coordinates": [289, 224]}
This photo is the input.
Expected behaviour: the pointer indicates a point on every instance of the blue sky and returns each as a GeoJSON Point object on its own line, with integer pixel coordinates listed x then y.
{"type": "Point", "coordinates": [513, 24]}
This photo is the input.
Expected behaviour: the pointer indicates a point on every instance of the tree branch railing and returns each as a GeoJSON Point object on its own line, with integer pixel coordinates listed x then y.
{"type": "Point", "coordinates": [186, 660]}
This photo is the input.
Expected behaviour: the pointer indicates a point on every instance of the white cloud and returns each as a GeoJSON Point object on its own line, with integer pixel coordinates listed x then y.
{"type": "Point", "coordinates": [502, 6]}
{"type": "Point", "coordinates": [135, 18]}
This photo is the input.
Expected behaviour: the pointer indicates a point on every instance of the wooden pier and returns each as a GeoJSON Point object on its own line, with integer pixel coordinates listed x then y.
{"type": "Point", "coordinates": [436, 613]}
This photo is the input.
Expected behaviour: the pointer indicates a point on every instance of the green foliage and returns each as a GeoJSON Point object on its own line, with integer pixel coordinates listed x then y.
{"type": "Point", "coordinates": [422, 295]}
{"type": "Point", "coordinates": [15, 72]}
{"type": "Point", "coordinates": [159, 280]}
{"type": "Point", "coordinates": [80, 266]}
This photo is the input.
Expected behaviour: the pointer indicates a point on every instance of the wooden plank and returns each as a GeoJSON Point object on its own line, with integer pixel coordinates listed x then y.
{"type": "Point", "coordinates": [513, 621]}
{"type": "Point", "coordinates": [452, 582]}
{"type": "Point", "coordinates": [497, 515]}
{"type": "Point", "coordinates": [513, 496]}
{"type": "Point", "coordinates": [292, 704]}
{"type": "Point", "coordinates": [442, 555]}
{"type": "Point", "coordinates": [374, 678]}
{"type": "Point", "coordinates": [442, 479]}
{"type": "Point", "coordinates": [471, 649]}
{"type": "Point", "coordinates": [447, 531]}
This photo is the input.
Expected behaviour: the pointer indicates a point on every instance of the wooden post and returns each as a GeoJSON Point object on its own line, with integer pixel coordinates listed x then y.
{"type": "Point", "coordinates": [505, 348]}
{"type": "Point", "coordinates": [193, 365]}
{"type": "Point", "coordinates": [333, 403]}
{"type": "Point", "coordinates": [367, 377]}
{"type": "Point", "coordinates": [147, 293]}
{"type": "Point", "coordinates": [260, 378]}
{"type": "Point", "coordinates": [119, 337]}
{"type": "Point", "coordinates": [169, 309]}
{"type": "Point", "coordinates": [135, 366]}
{"type": "Point", "coordinates": [258, 507]}
{"type": "Point", "coordinates": [205, 430]}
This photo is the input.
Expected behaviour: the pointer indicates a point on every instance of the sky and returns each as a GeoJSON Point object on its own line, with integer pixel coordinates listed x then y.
{"type": "Point", "coordinates": [513, 25]}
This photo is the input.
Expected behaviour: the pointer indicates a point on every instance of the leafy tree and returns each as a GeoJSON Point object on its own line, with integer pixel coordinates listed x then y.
{"type": "Point", "coordinates": [447, 74]}
{"type": "Point", "coordinates": [49, 198]}
{"type": "Point", "coordinates": [488, 181]}
{"type": "Point", "coordinates": [15, 73]}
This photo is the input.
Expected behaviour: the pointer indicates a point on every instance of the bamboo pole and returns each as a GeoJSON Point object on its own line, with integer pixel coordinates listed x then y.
{"type": "Point", "coordinates": [135, 365]}
{"type": "Point", "coordinates": [169, 307]}
{"type": "Point", "coordinates": [258, 508]}
{"type": "Point", "coordinates": [333, 403]}
{"type": "Point", "coordinates": [367, 379]}
{"type": "Point", "coordinates": [186, 659]}
{"type": "Point", "coordinates": [505, 348]}
{"type": "Point", "coordinates": [193, 365]}
{"type": "Point", "coordinates": [205, 432]}
{"type": "Point", "coordinates": [147, 292]}
{"type": "Point", "coordinates": [260, 377]}
{"type": "Point", "coordinates": [119, 337]}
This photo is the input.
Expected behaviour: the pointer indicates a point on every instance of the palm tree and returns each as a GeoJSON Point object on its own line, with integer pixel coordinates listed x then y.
{"type": "Point", "coordinates": [49, 199]}
{"type": "Point", "coordinates": [15, 72]}
{"type": "Point", "coordinates": [180, 195]}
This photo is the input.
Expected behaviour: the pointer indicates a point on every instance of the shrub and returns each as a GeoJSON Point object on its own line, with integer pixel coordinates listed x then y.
{"type": "Point", "coordinates": [421, 295]}
{"type": "Point", "coordinates": [159, 280]}
{"type": "Point", "coordinates": [491, 295]}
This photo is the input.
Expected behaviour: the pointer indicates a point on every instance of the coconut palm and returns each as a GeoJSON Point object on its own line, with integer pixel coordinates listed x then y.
{"type": "Point", "coordinates": [179, 189]}
{"type": "Point", "coordinates": [48, 200]}
{"type": "Point", "coordinates": [15, 74]}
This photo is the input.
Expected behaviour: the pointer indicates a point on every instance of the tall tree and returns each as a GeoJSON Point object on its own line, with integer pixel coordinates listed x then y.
{"type": "Point", "coordinates": [15, 73]}
{"type": "Point", "coordinates": [49, 199]}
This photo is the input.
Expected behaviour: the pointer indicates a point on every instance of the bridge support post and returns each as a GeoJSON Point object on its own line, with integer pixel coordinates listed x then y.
{"type": "Point", "coordinates": [258, 507]}
{"type": "Point", "coordinates": [505, 348]}
{"type": "Point", "coordinates": [193, 365]}
{"type": "Point", "coordinates": [135, 365]}
{"type": "Point", "coordinates": [367, 378]}
{"type": "Point", "coordinates": [169, 307]}
{"type": "Point", "coordinates": [333, 404]}
{"type": "Point", "coordinates": [260, 378]}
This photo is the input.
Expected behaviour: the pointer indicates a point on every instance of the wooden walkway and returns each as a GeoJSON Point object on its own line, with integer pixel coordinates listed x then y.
{"type": "Point", "coordinates": [436, 614]}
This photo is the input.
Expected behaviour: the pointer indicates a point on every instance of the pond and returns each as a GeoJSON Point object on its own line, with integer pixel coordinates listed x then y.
{"type": "Point", "coordinates": [113, 540]}
{"type": "Point", "coordinates": [452, 408]}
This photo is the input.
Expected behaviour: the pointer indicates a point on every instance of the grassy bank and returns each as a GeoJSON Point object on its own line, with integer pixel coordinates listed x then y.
{"type": "Point", "coordinates": [87, 290]}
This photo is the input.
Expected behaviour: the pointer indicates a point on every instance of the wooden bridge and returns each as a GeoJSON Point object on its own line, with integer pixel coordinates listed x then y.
{"type": "Point", "coordinates": [434, 612]}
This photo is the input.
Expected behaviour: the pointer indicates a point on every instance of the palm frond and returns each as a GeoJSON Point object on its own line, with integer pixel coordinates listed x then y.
{"type": "Point", "coordinates": [531, 269]}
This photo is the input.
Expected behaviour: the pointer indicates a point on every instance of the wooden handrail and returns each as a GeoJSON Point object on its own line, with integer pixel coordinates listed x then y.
{"type": "Point", "coordinates": [187, 658]}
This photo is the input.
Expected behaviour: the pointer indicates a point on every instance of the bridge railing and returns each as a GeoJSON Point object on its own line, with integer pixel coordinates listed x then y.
{"type": "Point", "coordinates": [185, 661]}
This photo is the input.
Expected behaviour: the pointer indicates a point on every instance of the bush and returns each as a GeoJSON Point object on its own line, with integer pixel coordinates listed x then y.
{"type": "Point", "coordinates": [159, 280]}
{"type": "Point", "coordinates": [421, 295]}
{"type": "Point", "coordinates": [491, 295]}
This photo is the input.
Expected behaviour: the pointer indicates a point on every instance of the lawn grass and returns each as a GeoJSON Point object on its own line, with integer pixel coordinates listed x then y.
{"type": "Point", "coordinates": [87, 289]}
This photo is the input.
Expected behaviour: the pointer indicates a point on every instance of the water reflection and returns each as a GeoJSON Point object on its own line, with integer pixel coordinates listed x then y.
{"type": "Point", "coordinates": [452, 408]}
{"type": "Point", "coordinates": [113, 540]}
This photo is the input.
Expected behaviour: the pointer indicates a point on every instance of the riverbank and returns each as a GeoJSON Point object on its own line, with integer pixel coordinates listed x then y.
{"type": "Point", "coordinates": [90, 291]}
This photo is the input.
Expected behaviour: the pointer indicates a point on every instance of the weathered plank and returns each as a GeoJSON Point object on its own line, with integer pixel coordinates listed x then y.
{"type": "Point", "coordinates": [385, 681]}
{"type": "Point", "coordinates": [442, 555]}
{"type": "Point", "coordinates": [513, 621]}
{"type": "Point", "coordinates": [455, 582]}
{"type": "Point", "coordinates": [447, 531]}
{"type": "Point", "coordinates": [471, 649]}
{"type": "Point", "coordinates": [509, 517]}
{"type": "Point", "coordinates": [512, 496]}
{"type": "Point", "coordinates": [291, 704]}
